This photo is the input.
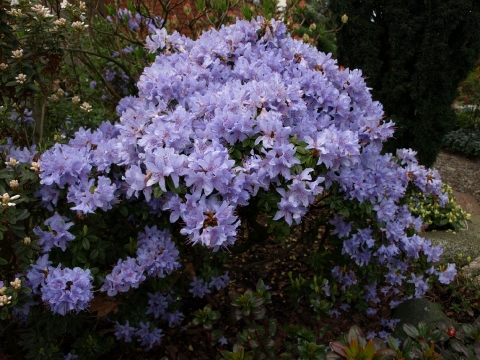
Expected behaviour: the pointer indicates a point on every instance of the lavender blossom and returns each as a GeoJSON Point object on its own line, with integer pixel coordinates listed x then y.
{"type": "Point", "coordinates": [67, 289]}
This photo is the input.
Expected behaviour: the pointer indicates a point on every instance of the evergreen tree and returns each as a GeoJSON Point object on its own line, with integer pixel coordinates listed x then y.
{"type": "Point", "coordinates": [414, 54]}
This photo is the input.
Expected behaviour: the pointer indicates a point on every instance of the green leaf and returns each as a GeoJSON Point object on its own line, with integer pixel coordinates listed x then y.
{"type": "Point", "coordinates": [85, 244]}
{"type": "Point", "coordinates": [124, 211]}
{"type": "Point", "coordinates": [157, 192]}
{"type": "Point", "coordinates": [33, 87]}
{"type": "Point", "coordinates": [81, 258]}
{"type": "Point", "coordinates": [22, 215]}
{"type": "Point", "coordinates": [411, 331]}
{"type": "Point", "coordinates": [392, 343]}
{"type": "Point", "coordinates": [3, 261]}
{"type": "Point", "coordinates": [94, 254]}
{"type": "Point", "coordinates": [4, 313]}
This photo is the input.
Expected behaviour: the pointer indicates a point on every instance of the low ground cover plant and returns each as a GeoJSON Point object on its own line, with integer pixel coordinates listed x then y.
{"type": "Point", "coordinates": [242, 138]}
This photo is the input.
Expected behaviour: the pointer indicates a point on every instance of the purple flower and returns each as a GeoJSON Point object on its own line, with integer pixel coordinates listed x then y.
{"type": "Point", "coordinates": [37, 273]}
{"type": "Point", "coordinates": [70, 356]}
{"type": "Point", "coordinates": [157, 253]}
{"type": "Point", "coordinates": [67, 289]}
{"type": "Point", "coordinates": [447, 276]}
{"type": "Point", "coordinates": [57, 236]}
{"type": "Point", "coordinates": [335, 312]}
{"type": "Point", "coordinates": [199, 288]}
{"type": "Point", "coordinates": [124, 332]}
{"type": "Point", "coordinates": [148, 336]}
{"type": "Point", "coordinates": [125, 275]}
{"type": "Point", "coordinates": [174, 318]}
{"type": "Point", "coordinates": [421, 286]}
{"type": "Point", "coordinates": [219, 282]}
{"type": "Point", "coordinates": [158, 304]}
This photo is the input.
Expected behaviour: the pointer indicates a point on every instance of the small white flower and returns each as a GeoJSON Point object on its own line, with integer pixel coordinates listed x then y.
{"type": "Point", "coordinates": [16, 13]}
{"type": "Point", "coordinates": [14, 184]}
{"type": "Point", "coordinates": [60, 22]}
{"type": "Point", "coordinates": [12, 162]}
{"type": "Point", "coordinates": [76, 100]}
{"type": "Point", "coordinates": [42, 11]}
{"type": "Point", "coordinates": [54, 98]}
{"type": "Point", "coordinates": [78, 25]}
{"type": "Point", "coordinates": [14, 3]}
{"type": "Point", "coordinates": [82, 6]}
{"type": "Point", "coordinates": [27, 241]}
{"type": "Point", "coordinates": [5, 300]}
{"type": "Point", "coordinates": [21, 78]}
{"type": "Point", "coordinates": [3, 66]}
{"type": "Point", "coordinates": [16, 284]}
{"type": "Point", "coordinates": [64, 4]}
{"type": "Point", "coordinates": [6, 200]}
{"type": "Point", "coordinates": [60, 93]}
{"type": "Point", "coordinates": [86, 106]}
{"type": "Point", "coordinates": [17, 54]}
{"type": "Point", "coordinates": [35, 167]}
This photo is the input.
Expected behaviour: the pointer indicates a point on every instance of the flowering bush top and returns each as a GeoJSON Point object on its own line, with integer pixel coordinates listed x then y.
{"type": "Point", "coordinates": [245, 118]}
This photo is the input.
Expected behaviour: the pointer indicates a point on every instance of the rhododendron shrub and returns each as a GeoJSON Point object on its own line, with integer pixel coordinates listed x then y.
{"type": "Point", "coordinates": [236, 138]}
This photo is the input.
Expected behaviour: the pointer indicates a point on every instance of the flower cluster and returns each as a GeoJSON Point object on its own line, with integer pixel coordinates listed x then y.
{"type": "Point", "coordinates": [242, 112]}
{"type": "Point", "coordinates": [63, 289]}
{"type": "Point", "coordinates": [157, 256]}
{"type": "Point", "coordinates": [57, 236]}
{"type": "Point", "coordinates": [146, 334]}
{"type": "Point", "coordinates": [199, 287]}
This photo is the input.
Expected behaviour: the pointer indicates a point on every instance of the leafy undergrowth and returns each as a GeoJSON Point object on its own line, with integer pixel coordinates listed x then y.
{"type": "Point", "coordinates": [460, 301]}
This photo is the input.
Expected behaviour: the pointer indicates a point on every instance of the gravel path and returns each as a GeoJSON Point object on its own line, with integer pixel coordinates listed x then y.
{"type": "Point", "coordinates": [461, 173]}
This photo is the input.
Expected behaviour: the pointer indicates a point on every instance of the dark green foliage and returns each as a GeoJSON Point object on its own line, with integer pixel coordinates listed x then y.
{"type": "Point", "coordinates": [463, 141]}
{"type": "Point", "coordinates": [414, 55]}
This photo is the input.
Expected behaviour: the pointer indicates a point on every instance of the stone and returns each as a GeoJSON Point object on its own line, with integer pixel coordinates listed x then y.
{"type": "Point", "coordinates": [418, 310]}
{"type": "Point", "coordinates": [467, 202]}
{"type": "Point", "coordinates": [473, 270]}
{"type": "Point", "coordinates": [465, 242]}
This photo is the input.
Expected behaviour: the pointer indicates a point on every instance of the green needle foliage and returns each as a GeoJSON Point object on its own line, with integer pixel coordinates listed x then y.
{"type": "Point", "coordinates": [414, 55]}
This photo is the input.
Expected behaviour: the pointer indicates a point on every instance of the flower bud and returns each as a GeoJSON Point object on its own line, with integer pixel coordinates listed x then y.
{"type": "Point", "coordinates": [14, 184]}
{"type": "Point", "coordinates": [27, 241]}
{"type": "Point", "coordinates": [312, 27]}
{"type": "Point", "coordinates": [76, 100]}
{"type": "Point", "coordinates": [35, 167]}
{"type": "Point", "coordinates": [5, 300]}
{"type": "Point", "coordinates": [12, 162]}
{"type": "Point", "coordinates": [17, 54]}
{"type": "Point", "coordinates": [86, 106]}
{"type": "Point", "coordinates": [451, 332]}
{"type": "Point", "coordinates": [344, 18]}
{"type": "Point", "coordinates": [16, 284]}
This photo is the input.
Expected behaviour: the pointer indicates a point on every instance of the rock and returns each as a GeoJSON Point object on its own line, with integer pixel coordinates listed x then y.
{"type": "Point", "coordinates": [465, 242]}
{"type": "Point", "coordinates": [473, 269]}
{"type": "Point", "coordinates": [414, 311]}
{"type": "Point", "coordinates": [467, 202]}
